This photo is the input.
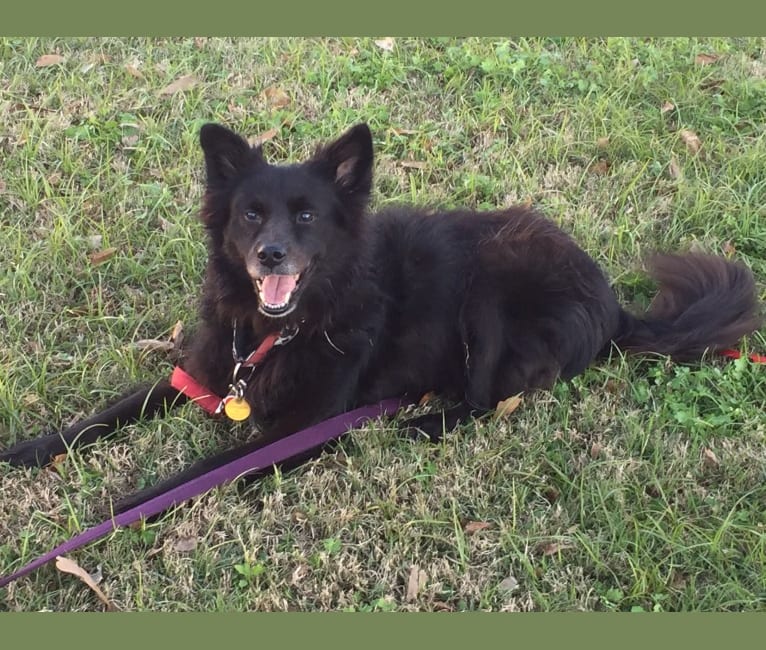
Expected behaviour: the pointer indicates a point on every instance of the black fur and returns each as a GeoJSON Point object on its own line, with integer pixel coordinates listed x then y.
{"type": "Point", "coordinates": [476, 306]}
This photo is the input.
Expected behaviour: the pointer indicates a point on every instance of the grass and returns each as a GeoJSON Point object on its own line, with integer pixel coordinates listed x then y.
{"type": "Point", "coordinates": [637, 487]}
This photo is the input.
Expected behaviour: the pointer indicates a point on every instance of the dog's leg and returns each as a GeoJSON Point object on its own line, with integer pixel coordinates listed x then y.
{"type": "Point", "coordinates": [143, 403]}
{"type": "Point", "coordinates": [435, 425]}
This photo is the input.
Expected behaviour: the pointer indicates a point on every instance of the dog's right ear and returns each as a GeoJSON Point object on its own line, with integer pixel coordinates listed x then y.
{"type": "Point", "coordinates": [226, 153]}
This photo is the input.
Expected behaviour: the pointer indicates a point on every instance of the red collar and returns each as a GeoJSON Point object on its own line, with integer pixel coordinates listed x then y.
{"type": "Point", "coordinates": [185, 384]}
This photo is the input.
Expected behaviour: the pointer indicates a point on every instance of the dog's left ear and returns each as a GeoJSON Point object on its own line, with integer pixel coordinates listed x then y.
{"type": "Point", "coordinates": [348, 161]}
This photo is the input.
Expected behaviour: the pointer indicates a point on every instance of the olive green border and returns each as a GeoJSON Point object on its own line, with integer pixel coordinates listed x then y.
{"type": "Point", "coordinates": [388, 17]}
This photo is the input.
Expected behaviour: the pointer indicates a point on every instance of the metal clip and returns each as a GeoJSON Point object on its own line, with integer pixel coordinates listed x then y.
{"type": "Point", "coordinates": [286, 335]}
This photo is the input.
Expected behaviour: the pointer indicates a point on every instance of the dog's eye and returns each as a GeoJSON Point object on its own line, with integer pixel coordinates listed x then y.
{"type": "Point", "coordinates": [304, 216]}
{"type": "Point", "coordinates": [252, 215]}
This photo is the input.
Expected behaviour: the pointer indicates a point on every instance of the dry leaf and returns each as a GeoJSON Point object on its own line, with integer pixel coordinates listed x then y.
{"type": "Point", "coordinates": [130, 140]}
{"type": "Point", "coordinates": [258, 140]}
{"type": "Point", "coordinates": [475, 526]}
{"type": "Point", "coordinates": [674, 169]}
{"type": "Point", "coordinates": [705, 59]}
{"type": "Point", "coordinates": [430, 396]}
{"type": "Point", "coordinates": [2, 186]}
{"type": "Point", "coordinates": [602, 143]}
{"type": "Point", "coordinates": [165, 225]}
{"type": "Point", "coordinates": [57, 460]}
{"type": "Point", "coordinates": [691, 140]}
{"type": "Point", "coordinates": [396, 131]}
{"type": "Point", "coordinates": [667, 106]}
{"type": "Point", "coordinates": [300, 572]}
{"type": "Point", "coordinates": [600, 167]}
{"type": "Point", "coordinates": [178, 332]}
{"type": "Point", "coordinates": [415, 582]}
{"type": "Point", "coordinates": [507, 406]}
{"type": "Point", "coordinates": [729, 249]}
{"type": "Point", "coordinates": [595, 450]}
{"type": "Point", "coordinates": [65, 565]}
{"type": "Point", "coordinates": [386, 44]}
{"type": "Point", "coordinates": [185, 544]}
{"type": "Point", "coordinates": [49, 59]}
{"type": "Point", "coordinates": [133, 71]}
{"type": "Point", "coordinates": [414, 164]}
{"type": "Point", "coordinates": [276, 97]}
{"type": "Point", "coordinates": [508, 584]}
{"type": "Point", "coordinates": [551, 548]}
{"type": "Point", "coordinates": [179, 85]}
{"type": "Point", "coordinates": [102, 256]}
{"type": "Point", "coordinates": [154, 345]}
{"type": "Point", "coordinates": [709, 459]}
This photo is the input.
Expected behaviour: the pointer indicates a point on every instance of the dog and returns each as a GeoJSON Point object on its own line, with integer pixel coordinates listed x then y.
{"type": "Point", "coordinates": [359, 307]}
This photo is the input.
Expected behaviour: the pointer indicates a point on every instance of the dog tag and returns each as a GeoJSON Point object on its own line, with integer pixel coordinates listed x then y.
{"type": "Point", "coordinates": [237, 408]}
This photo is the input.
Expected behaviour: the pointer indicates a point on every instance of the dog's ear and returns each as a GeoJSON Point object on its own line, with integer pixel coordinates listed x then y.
{"type": "Point", "coordinates": [226, 153]}
{"type": "Point", "coordinates": [348, 161]}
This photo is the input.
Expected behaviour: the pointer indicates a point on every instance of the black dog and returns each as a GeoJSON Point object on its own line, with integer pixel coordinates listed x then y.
{"type": "Point", "coordinates": [476, 306]}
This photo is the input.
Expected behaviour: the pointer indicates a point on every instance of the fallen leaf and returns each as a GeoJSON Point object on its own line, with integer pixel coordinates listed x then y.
{"type": "Point", "coordinates": [430, 396]}
{"type": "Point", "coordinates": [691, 140]}
{"type": "Point", "coordinates": [508, 585]}
{"type": "Point", "coordinates": [2, 186]}
{"type": "Point", "coordinates": [185, 544]}
{"type": "Point", "coordinates": [729, 249]}
{"type": "Point", "coordinates": [65, 565]}
{"type": "Point", "coordinates": [49, 59]}
{"type": "Point", "coordinates": [300, 572]}
{"type": "Point", "coordinates": [130, 140]}
{"type": "Point", "coordinates": [102, 256]}
{"type": "Point", "coordinates": [258, 140]}
{"type": "Point", "coordinates": [709, 459]}
{"type": "Point", "coordinates": [595, 450]}
{"type": "Point", "coordinates": [706, 59]}
{"type": "Point", "coordinates": [551, 548]}
{"type": "Point", "coordinates": [674, 169]}
{"type": "Point", "coordinates": [94, 241]}
{"type": "Point", "coordinates": [507, 406]}
{"type": "Point", "coordinates": [30, 399]}
{"type": "Point", "coordinates": [165, 225]}
{"type": "Point", "coordinates": [551, 494]}
{"type": "Point", "coordinates": [276, 97]}
{"type": "Point", "coordinates": [600, 167]}
{"type": "Point", "coordinates": [414, 164]}
{"type": "Point", "coordinates": [179, 85]}
{"type": "Point", "coordinates": [667, 106]}
{"type": "Point", "coordinates": [475, 526]}
{"type": "Point", "coordinates": [199, 42]}
{"type": "Point", "coordinates": [602, 143]}
{"type": "Point", "coordinates": [133, 71]}
{"type": "Point", "coordinates": [386, 44]}
{"type": "Point", "coordinates": [396, 131]}
{"type": "Point", "coordinates": [154, 345]}
{"type": "Point", "coordinates": [415, 582]}
{"type": "Point", "coordinates": [177, 334]}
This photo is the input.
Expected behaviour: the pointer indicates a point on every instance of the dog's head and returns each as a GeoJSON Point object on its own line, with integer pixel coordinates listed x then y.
{"type": "Point", "coordinates": [283, 228]}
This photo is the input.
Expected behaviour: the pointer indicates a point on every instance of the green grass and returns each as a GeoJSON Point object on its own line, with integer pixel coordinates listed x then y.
{"type": "Point", "coordinates": [639, 486]}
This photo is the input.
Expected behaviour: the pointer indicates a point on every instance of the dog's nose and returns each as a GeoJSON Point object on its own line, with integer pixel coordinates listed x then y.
{"type": "Point", "coordinates": [271, 255]}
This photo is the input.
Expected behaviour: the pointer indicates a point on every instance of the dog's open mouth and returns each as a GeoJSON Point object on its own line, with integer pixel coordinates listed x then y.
{"type": "Point", "coordinates": [276, 293]}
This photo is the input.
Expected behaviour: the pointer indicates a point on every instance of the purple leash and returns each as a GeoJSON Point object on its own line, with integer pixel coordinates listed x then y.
{"type": "Point", "coordinates": [271, 454]}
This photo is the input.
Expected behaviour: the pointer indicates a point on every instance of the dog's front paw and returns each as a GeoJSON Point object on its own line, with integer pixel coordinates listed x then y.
{"type": "Point", "coordinates": [433, 426]}
{"type": "Point", "coordinates": [37, 452]}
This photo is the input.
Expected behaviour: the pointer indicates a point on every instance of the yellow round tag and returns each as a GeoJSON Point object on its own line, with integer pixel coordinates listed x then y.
{"type": "Point", "coordinates": [237, 409]}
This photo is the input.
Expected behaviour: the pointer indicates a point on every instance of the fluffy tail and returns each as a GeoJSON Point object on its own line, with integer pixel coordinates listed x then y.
{"type": "Point", "coordinates": [704, 303]}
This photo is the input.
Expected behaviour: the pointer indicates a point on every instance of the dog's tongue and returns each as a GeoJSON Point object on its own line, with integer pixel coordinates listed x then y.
{"type": "Point", "coordinates": [276, 289]}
